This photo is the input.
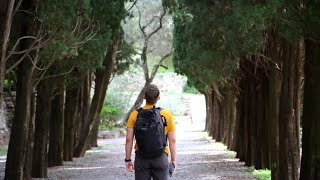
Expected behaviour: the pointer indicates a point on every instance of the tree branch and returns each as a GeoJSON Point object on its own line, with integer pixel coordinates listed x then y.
{"type": "Point", "coordinates": [37, 39]}
{"type": "Point", "coordinates": [55, 75]}
{"type": "Point", "coordinates": [144, 61]}
{"type": "Point", "coordinates": [156, 67]}
{"type": "Point", "coordinates": [140, 26]}
{"type": "Point", "coordinates": [160, 24]}
{"type": "Point", "coordinates": [134, 3]}
{"type": "Point", "coordinates": [28, 12]}
{"type": "Point", "coordinates": [16, 9]}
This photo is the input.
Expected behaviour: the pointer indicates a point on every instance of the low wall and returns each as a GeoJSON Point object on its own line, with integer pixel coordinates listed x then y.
{"type": "Point", "coordinates": [111, 134]}
{"type": "Point", "coordinates": [6, 117]}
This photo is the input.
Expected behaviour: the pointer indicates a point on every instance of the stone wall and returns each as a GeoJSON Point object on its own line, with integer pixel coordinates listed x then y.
{"type": "Point", "coordinates": [6, 117]}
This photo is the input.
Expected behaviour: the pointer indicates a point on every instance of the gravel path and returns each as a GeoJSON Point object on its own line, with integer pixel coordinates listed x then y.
{"type": "Point", "coordinates": [198, 158]}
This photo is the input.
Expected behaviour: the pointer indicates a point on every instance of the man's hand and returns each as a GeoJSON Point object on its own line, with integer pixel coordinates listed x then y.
{"type": "Point", "coordinates": [173, 147]}
{"type": "Point", "coordinates": [129, 166]}
{"type": "Point", "coordinates": [172, 168]}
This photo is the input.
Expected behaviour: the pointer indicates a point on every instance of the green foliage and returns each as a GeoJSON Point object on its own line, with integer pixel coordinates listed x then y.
{"type": "Point", "coordinates": [109, 24]}
{"type": "Point", "coordinates": [91, 54]}
{"type": "Point", "coordinates": [262, 174]}
{"type": "Point", "coordinates": [312, 19]}
{"type": "Point", "coordinates": [3, 150]}
{"type": "Point", "coordinates": [9, 84]}
{"type": "Point", "coordinates": [211, 36]}
{"type": "Point", "coordinates": [84, 34]}
{"type": "Point", "coordinates": [231, 154]}
{"type": "Point", "coordinates": [109, 115]}
{"type": "Point", "coordinates": [114, 108]}
{"type": "Point", "coordinates": [245, 26]}
{"type": "Point", "coordinates": [190, 89]}
{"type": "Point", "coordinates": [59, 23]}
{"type": "Point", "coordinates": [81, 31]}
{"type": "Point", "coordinates": [124, 60]}
{"type": "Point", "coordinates": [199, 43]}
{"type": "Point", "coordinates": [170, 4]}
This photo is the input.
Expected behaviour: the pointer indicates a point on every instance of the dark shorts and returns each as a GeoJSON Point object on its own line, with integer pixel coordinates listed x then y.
{"type": "Point", "coordinates": [156, 168]}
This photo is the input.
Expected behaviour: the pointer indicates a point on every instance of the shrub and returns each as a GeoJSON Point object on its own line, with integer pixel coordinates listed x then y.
{"type": "Point", "coordinates": [190, 89]}
{"type": "Point", "coordinates": [262, 174]}
{"type": "Point", "coordinates": [109, 116]}
{"type": "Point", "coordinates": [114, 108]}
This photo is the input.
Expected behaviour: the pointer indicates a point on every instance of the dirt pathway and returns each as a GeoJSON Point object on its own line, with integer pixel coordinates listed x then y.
{"type": "Point", "coordinates": [198, 158]}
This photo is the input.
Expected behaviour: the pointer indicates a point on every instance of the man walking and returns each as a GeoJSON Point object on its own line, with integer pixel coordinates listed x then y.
{"type": "Point", "coordinates": [151, 127]}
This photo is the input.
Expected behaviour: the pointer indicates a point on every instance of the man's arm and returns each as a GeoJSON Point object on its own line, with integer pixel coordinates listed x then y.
{"type": "Point", "coordinates": [129, 144]}
{"type": "Point", "coordinates": [172, 146]}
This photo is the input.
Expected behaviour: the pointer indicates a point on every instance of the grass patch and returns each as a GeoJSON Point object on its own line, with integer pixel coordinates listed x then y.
{"type": "Point", "coordinates": [3, 150]}
{"type": "Point", "coordinates": [209, 139]}
{"type": "Point", "coordinates": [108, 128]}
{"type": "Point", "coordinates": [262, 174]}
{"type": "Point", "coordinates": [231, 154]}
{"type": "Point", "coordinates": [206, 136]}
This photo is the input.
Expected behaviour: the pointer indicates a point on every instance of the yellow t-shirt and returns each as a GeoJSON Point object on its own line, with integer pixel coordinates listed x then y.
{"type": "Point", "coordinates": [171, 125]}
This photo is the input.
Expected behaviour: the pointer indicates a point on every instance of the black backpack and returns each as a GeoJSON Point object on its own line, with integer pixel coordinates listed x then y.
{"type": "Point", "coordinates": [149, 132]}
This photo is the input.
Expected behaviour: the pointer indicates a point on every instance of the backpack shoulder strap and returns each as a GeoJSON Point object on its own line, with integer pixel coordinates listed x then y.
{"type": "Point", "coordinates": [159, 109]}
{"type": "Point", "coordinates": [140, 109]}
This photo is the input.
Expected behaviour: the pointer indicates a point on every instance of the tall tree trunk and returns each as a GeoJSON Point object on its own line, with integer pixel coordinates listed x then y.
{"type": "Point", "coordinates": [22, 114]}
{"type": "Point", "coordinates": [215, 117]}
{"type": "Point", "coordinates": [236, 131]}
{"type": "Point", "coordinates": [19, 131]}
{"type": "Point", "coordinates": [220, 119]}
{"type": "Point", "coordinates": [5, 41]}
{"type": "Point", "coordinates": [209, 113]}
{"type": "Point", "coordinates": [55, 154]}
{"type": "Point", "coordinates": [298, 89]}
{"type": "Point", "coordinates": [241, 115]}
{"type": "Point", "coordinates": [101, 84]}
{"type": "Point", "coordinates": [72, 98]}
{"type": "Point", "coordinates": [208, 122]}
{"type": "Point", "coordinates": [96, 104]}
{"type": "Point", "coordinates": [289, 150]}
{"type": "Point", "coordinates": [227, 116]}
{"type": "Point", "coordinates": [274, 89]}
{"type": "Point", "coordinates": [27, 169]}
{"type": "Point", "coordinates": [84, 104]}
{"type": "Point", "coordinates": [310, 162]}
{"type": "Point", "coordinates": [42, 121]}
{"type": "Point", "coordinates": [263, 126]}
{"type": "Point", "coordinates": [231, 116]}
{"type": "Point", "coordinates": [245, 136]}
{"type": "Point", "coordinates": [251, 121]}
{"type": "Point", "coordinates": [259, 129]}
{"type": "Point", "coordinates": [94, 138]}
